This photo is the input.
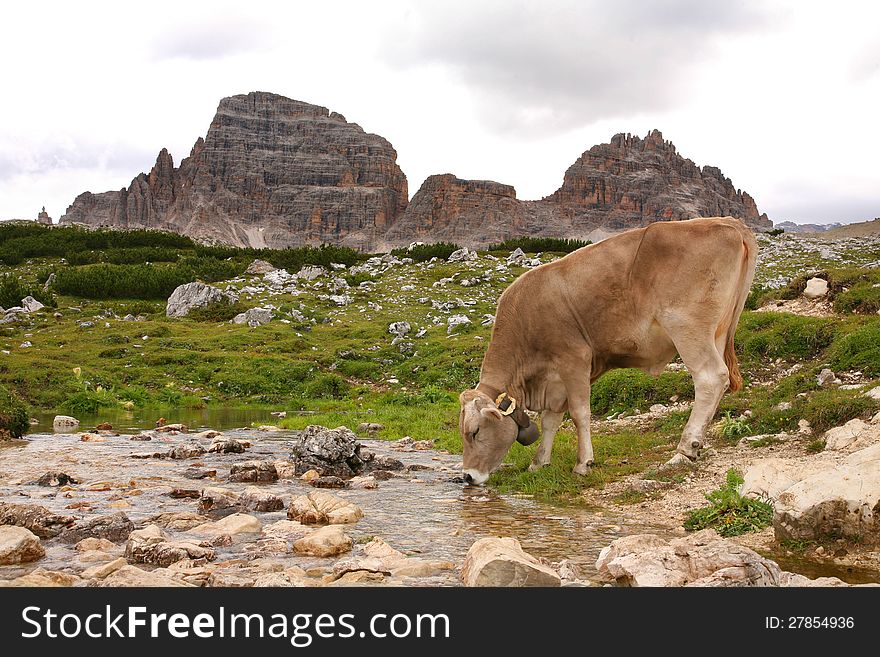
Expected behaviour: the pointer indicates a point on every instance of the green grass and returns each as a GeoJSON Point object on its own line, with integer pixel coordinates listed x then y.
{"type": "Point", "coordinates": [14, 419]}
{"type": "Point", "coordinates": [728, 512]}
{"type": "Point", "coordinates": [732, 429]}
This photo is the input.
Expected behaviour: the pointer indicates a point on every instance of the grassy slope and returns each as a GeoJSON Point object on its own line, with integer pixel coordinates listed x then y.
{"type": "Point", "coordinates": [342, 368]}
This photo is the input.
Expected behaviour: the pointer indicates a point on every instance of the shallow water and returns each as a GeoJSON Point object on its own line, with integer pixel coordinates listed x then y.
{"type": "Point", "coordinates": [133, 421]}
{"type": "Point", "coordinates": [421, 512]}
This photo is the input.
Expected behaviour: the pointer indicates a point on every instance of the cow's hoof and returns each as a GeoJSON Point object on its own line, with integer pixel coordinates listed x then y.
{"type": "Point", "coordinates": [534, 467]}
{"type": "Point", "coordinates": [582, 469]}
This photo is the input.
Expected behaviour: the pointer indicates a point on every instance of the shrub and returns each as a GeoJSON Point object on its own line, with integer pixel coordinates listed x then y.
{"type": "Point", "coordinates": [132, 256]}
{"type": "Point", "coordinates": [211, 270]}
{"type": "Point", "coordinates": [859, 350]}
{"type": "Point", "coordinates": [831, 408]}
{"type": "Point", "coordinates": [218, 311]}
{"type": "Point", "coordinates": [14, 419]}
{"type": "Point", "coordinates": [626, 389]}
{"type": "Point", "coordinates": [775, 232]}
{"type": "Point", "coordinates": [326, 385]}
{"type": "Point", "coordinates": [540, 244]}
{"type": "Point", "coordinates": [424, 252]}
{"type": "Point", "coordinates": [87, 401]}
{"type": "Point", "coordinates": [729, 513]}
{"type": "Point", "coordinates": [105, 281]}
{"type": "Point", "coordinates": [782, 335]}
{"type": "Point", "coordinates": [732, 428]}
{"type": "Point", "coordinates": [12, 291]}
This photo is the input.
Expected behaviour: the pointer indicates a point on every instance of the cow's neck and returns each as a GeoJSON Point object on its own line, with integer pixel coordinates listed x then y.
{"type": "Point", "coordinates": [496, 374]}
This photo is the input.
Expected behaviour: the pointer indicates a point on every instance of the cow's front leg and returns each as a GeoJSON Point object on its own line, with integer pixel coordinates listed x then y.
{"type": "Point", "coordinates": [579, 408]}
{"type": "Point", "coordinates": [550, 422]}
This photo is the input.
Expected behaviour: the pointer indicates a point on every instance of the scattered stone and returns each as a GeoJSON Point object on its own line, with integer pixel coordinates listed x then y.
{"type": "Point", "coordinates": [115, 527]}
{"type": "Point", "coordinates": [31, 305]}
{"type": "Point", "coordinates": [37, 519]}
{"type": "Point", "coordinates": [94, 544]}
{"type": "Point", "coordinates": [783, 406]}
{"type": "Point", "coordinates": [18, 545]}
{"type": "Point", "coordinates": [56, 478]}
{"type": "Point", "coordinates": [311, 272]}
{"type": "Point", "coordinates": [462, 255]}
{"type": "Point", "coordinates": [199, 473]}
{"type": "Point", "coordinates": [502, 562]}
{"type": "Point", "coordinates": [253, 471]}
{"type": "Point", "coordinates": [232, 525]}
{"type": "Point", "coordinates": [254, 317]}
{"type": "Point", "coordinates": [103, 570]}
{"type": "Point", "coordinates": [874, 393]}
{"type": "Point", "coordinates": [319, 508]}
{"type": "Point", "coordinates": [185, 493]}
{"type": "Point", "coordinates": [455, 321]}
{"type": "Point", "coordinates": [255, 499]}
{"type": "Point", "coordinates": [259, 267]}
{"type": "Point", "coordinates": [826, 377]}
{"type": "Point", "coordinates": [142, 436]}
{"type": "Point", "coordinates": [816, 288]}
{"type": "Point", "coordinates": [180, 521]}
{"type": "Point", "coordinates": [230, 580]}
{"type": "Point", "coordinates": [842, 437]}
{"type": "Point", "coordinates": [151, 545]}
{"type": "Point", "coordinates": [386, 463]}
{"type": "Point", "coordinates": [215, 500]}
{"type": "Point", "coordinates": [226, 446]}
{"type": "Point", "coordinates": [331, 452]}
{"type": "Point", "coordinates": [329, 481]}
{"type": "Point", "coordinates": [365, 483]}
{"type": "Point", "coordinates": [186, 451]}
{"type": "Point", "coordinates": [65, 424]}
{"type": "Point", "coordinates": [104, 426]}
{"type": "Point", "coordinates": [129, 576]}
{"type": "Point", "coordinates": [327, 541]}
{"type": "Point", "coordinates": [310, 475]}
{"type": "Point", "coordinates": [193, 295]}
{"type": "Point", "coordinates": [700, 559]}
{"type": "Point", "coordinates": [42, 578]}
{"type": "Point", "coordinates": [371, 428]}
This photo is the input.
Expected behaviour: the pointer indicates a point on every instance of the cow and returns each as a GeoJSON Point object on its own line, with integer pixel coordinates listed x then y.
{"type": "Point", "coordinates": [633, 300]}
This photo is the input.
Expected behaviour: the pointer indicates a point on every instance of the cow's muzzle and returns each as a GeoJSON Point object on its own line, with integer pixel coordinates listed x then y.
{"type": "Point", "coordinates": [528, 435]}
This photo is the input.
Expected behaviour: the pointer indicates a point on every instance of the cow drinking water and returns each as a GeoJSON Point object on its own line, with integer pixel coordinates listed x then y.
{"type": "Point", "coordinates": [633, 300]}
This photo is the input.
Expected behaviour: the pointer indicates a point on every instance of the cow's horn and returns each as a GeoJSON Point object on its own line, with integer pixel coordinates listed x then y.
{"type": "Point", "coordinates": [528, 435]}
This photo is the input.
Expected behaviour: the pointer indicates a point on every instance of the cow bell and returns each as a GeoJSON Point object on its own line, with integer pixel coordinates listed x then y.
{"type": "Point", "coordinates": [528, 435]}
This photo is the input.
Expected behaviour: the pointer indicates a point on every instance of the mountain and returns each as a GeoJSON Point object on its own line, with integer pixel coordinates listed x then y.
{"type": "Point", "coordinates": [277, 172]}
{"type": "Point", "coordinates": [270, 172]}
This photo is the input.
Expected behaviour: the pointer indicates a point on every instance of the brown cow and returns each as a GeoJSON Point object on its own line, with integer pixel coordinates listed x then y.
{"type": "Point", "coordinates": [633, 300]}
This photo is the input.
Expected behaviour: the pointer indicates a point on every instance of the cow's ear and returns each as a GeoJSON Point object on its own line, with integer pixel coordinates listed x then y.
{"type": "Point", "coordinates": [491, 412]}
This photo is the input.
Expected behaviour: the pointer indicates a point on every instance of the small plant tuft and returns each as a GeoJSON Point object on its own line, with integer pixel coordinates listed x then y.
{"type": "Point", "coordinates": [729, 513]}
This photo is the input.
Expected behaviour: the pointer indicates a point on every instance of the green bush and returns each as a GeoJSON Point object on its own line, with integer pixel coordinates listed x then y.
{"type": "Point", "coordinates": [626, 389]}
{"type": "Point", "coordinates": [211, 270]}
{"type": "Point", "coordinates": [105, 281]}
{"type": "Point", "coordinates": [137, 255]}
{"type": "Point", "coordinates": [782, 335]}
{"type": "Point", "coordinates": [729, 513]}
{"type": "Point", "coordinates": [424, 252]}
{"type": "Point", "coordinates": [832, 407]}
{"type": "Point", "coordinates": [858, 350]}
{"type": "Point", "coordinates": [540, 244]}
{"type": "Point", "coordinates": [218, 311]}
{"type": "Point", "coordinates": [330, 386]}
{"type": "Point", "coordinates": [732, 428]}
{"type": "Point", "coordinates": [775, 232]}
{"type": "Point", "coordinates": [12, 291]}
{"type": "Point", "coordinates": [14, 419]}
{"type": "Point", "coordinates": [87, 401]}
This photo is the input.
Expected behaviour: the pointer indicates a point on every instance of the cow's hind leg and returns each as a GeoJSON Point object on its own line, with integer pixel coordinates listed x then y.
{"type": "Point", "coordinates": [550, 421]}
{"type": "Point", "coordinates": [711, 379]}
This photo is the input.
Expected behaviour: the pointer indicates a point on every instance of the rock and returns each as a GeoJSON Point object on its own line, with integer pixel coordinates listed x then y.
{"type": "Point", "coordinates": [232, 525]}
{"type": "Point", "coordinates": [327, 541]}
{"type": "Point", "coordinates": [18, 545]}
{"type": "Point", "coordinates": [185, 493]}
{"type": "Point", "coordinates": [56, 478]}
{"type": "Point", "coordinates": [873, 393]}
{"type": "Point", "coordinates": [65, 424]}
{"type": "Point", "coordinates": [271, 172]}
{"type": "Point", "coordinates": [190, 296]}
{"type": "Point", "coordinates": [42, 578]}
{"type": "Point", "coordinates": [816, 288]}
{"type": "Point", "coordinates": [286, 530]}
{"type": "Point", "coordinates": [275, 580]}
{"type": "Point", "coordinates": [515, 256]}
{"type": "Point", "coordinates": [151, 545]}
{"type": "Point", "coordinates": [37, 519]}
{"type": "Point", "coordinates": [626, 183]}
{"type": "Point", "coordinates": [319, 507]}
{"type": "Point", "coordinates": [94, 544]}
{"type": "Point", "coordinates": [386, 463]}
{"type": "Point", "coordinates": [371, 428]}
{"type": "Point", "coordinates": [310, 475]}
{"type": "Point", "coordinates": [226, 446]}
{"type": "Point", "coordinates": [180, 521]}
{"type": "Point", "coordinates": [365, 483]}
{"type": "Point", "coordinates": [104, 426]}
{"type": "Point", "coordinates": [842, 437]}
{"type": "Point", "coordinates": [186, 451]}
{"type": "Point", "coordinates": [173, 428]}
{"type": "Point", "coordinates": [699, 559]}
{"type": "Point", "coordinates": [230, 580]}
{"type": "Point", "coordinates": [254, 499]}
{"type": "Point", "coordinates": [134, 576]}
{"type": "Point", "coordinates": [254, 471]}
{"type": "Point", "coordinates": [218, 500]}
{"type": "Point", "coordinates": [502, 562]}
{"type": "Point", "coordinates": [455, 321]}
{"type": "Point", "coordinates": [399, 329]}
{"type": "Point", "coordinates": [310, 273]}
{"type": "Point", "coordinates": [199, 473]}
{"type": "Point", "coordinates": [329, 482]}
{"type": "Point", "coordinates": [331, 452]}
{"type": "Point", "coordinates": [259, 267]}
{"type": "Point", "coordinates": [115, 527]}
{"type": "Point", "coordinates": [840, 500]}
{"type": "Point", "coordinates": [103, 570]}
{"type": "Point", "coordinates": [826, 377]}
{"type": "Point", "coordinates": [31, 305]}
{"type": "Point", "coordinates": [254, 317]}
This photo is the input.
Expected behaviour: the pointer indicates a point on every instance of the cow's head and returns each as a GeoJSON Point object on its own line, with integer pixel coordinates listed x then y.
{"type": "Point", "coordinates": [487, 434]}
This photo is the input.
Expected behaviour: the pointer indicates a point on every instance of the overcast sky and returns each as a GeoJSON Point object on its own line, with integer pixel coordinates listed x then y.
{"type": "Point", "coordinates": [782, 96]}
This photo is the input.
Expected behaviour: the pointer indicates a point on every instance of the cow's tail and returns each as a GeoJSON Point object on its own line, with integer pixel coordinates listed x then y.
{"type": "Point", "coordinates": [746, 273]}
